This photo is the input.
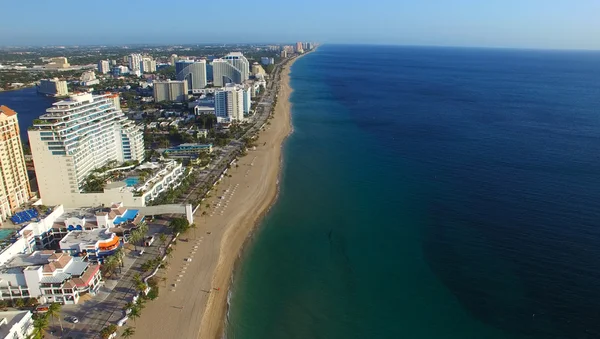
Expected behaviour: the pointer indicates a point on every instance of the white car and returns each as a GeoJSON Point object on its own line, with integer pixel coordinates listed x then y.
{"type": "Point", "coordinates": [74, 320]}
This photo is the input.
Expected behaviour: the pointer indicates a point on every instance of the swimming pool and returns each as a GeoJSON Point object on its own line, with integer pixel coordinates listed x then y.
{"type": "Point", "coordinates": [127, 216]}
{"type": "Point", "coordinates": [131, 181]}
{"type": "Point", "coordinates": [6, 232]}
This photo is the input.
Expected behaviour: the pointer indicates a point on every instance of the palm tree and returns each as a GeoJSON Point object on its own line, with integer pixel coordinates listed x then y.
{"type": "Point", "coordinates": [39, 326]}
{"type": "Point", "coordinates": [137, 278]}
{"type": "Point", "coordinates": [134, 314]}
{"type": "Point", "coordinates": [134, 237]}
{"type": "Point", "coordinates": [110, 264]}
{"type": "Point", "coordinates": [120, 254]}
{"type": "Point", "coordinates": [54, 312]}
{"type": "Point", "coordinates": [129, 332]}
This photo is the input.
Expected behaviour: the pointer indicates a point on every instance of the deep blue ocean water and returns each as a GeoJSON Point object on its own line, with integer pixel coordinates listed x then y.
{"type": "Point", "coordinates": [432, 193]}
{"type": "Point", "coordinates": [28, 105]}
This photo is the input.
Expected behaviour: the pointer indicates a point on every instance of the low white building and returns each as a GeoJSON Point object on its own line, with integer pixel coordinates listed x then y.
{"type": "Point", "coordinates": [16, 324]}
{"type": "Point", "coordinates": [49, 277]}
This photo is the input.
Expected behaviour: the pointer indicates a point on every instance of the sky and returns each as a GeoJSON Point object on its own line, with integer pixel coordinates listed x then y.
{"type": "Point", "coordinates": [547, 24]}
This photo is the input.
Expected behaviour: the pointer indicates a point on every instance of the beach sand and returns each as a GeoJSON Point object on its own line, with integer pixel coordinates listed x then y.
{"type": "Point", "coordinates": [193, 297]}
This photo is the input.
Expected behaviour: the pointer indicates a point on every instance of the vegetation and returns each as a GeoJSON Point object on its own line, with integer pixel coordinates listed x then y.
{"type": "Point", "coordinates": [179, 225]}
{"type": "Point", "coordinates": [54, 312]}
{"type": "Point", "coordinates": [108, 331]}
{"type": "Point", "coordinates": [129, 332]}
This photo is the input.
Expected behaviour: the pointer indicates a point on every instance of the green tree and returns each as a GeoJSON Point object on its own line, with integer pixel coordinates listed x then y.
{"type": "Point", "coordinates": [129, 332]}
{"type": "Point", "coordinates": [120, 254]}
{"type": "Point", "coordinates": [19, 303]}
{"type": "Point", "coordinates": [40, 324]}
{"type": "Point", "coordinates": [54, 312]}
{"type": "Point", "coordinates": [179, 225]}
{"type": "Point", "coordinates": [135, 237]}
{"type": "Point", "coordinates": [135, 313]}
{"type": "Point", "coordinates": [32, 302]}
{"type": "Point", "coordinates": [106, 332]}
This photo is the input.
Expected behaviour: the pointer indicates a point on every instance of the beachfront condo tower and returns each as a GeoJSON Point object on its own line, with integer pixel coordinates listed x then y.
{"type": "Point", "coordinates": [229, 104]}
{"type": "Point", "coordinates": [14, 183]}
{"type": "Point", "coordinates": [75, 137]}
{"type": "Point", "coordinates": [232, 68]}
{"type": "Point", "coordinates": [194, 72]}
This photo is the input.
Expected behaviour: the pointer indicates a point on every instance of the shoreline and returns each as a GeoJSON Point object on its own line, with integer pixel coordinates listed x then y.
{"type": "Point", "coordinates": [283, 107]}
{"type": "Point", "coordinates": [193, 301]}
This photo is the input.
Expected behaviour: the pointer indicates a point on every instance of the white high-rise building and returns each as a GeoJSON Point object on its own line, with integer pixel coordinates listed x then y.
{"type": "Point", "coordinates": [103, 66]}
{"type": "Point", "coordinates": [194, 72]}
{"type": "Point", "coordinates": [134, 61]}
{"type": "Point", "coordinates": [75, 137]}
{"type": "Point", "coordinates": [224, 73]}
{"type": "Point", "coordinates": [229, 104]}
{"type": "Point", "coordinates": [148, 65]}
{"type": "Point", "coordinates": [239, 61]}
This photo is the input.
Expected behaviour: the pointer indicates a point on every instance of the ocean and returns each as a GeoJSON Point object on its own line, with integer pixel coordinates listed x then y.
{"type": "Point", "coordinates": [432, 193]}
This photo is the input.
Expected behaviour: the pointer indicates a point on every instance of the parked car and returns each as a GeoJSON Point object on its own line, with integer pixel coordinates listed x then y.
{"type": "Point", "coordinates": [73, 320]}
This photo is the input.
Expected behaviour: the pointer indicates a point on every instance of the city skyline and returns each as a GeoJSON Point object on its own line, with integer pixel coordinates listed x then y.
{"type": "Point", "coordinates": [536, 24]}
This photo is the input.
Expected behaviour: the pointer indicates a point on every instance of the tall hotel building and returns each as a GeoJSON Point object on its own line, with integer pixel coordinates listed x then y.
{"type": "Point", "coordinates": [194, 72]}
{"type": "Point", "coordinates": [232, 68]}
{"type": "Point", "coordinates": [75, 137]}
{"type": "Point", "coordinates": [229, 104]}
{"type": "Point", "coordinates": [14, 183]}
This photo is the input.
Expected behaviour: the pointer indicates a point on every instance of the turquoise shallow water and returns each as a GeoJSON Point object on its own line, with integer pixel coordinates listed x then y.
{"type": "Point", "coordinates": [431, 193]}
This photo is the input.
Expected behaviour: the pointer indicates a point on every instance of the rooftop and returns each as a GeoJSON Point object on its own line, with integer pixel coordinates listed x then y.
{"type": "Point", "coordinates": [10, 319]}
{"type": "Point", "coordinates": [7, 111]}
{"type": "Point", "coordinates": [90, 238]}
{"type": "Point", "coordinates": [37, 258]}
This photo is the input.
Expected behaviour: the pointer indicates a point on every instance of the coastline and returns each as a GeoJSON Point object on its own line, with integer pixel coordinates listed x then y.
{"type": "Point", "coordinates": [195, 294]}
{"type": "Point", "coordinates": [213, 320]}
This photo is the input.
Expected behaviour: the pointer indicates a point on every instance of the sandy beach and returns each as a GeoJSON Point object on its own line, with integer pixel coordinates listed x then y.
{"type": "Point", "coordinates": [193, 297]}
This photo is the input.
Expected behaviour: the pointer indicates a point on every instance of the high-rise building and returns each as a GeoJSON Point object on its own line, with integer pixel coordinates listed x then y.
{"type": "Point", "coordinates": [75, 137]}
{"type": "Point", "coordinates": [247, 96]}
{"type": "Point", "coordinates": [224, 73]}
{"type": "Point", "coordinates": [170, 90]}
{"type": "Point", "coordinates": [173, 59]}
{"type": "Point", "coordinates": [267, 60]}
{"type": "Point", "coordinates": [148, 65]}
{"type": "Point", "coordinates": [193, 72]}
{"type": "Point", "coordinates": [299, 48]}
{"type": "Point", "coordinates": [53, 87]}
{"type": "Point", "coordinates": [239, 61]}
{"type": "Point", "coordinates": [229, 104]}
{"type": "Point", "coordinates": [257, 69]}
{"type": "Point", "coordinates": [14, 183]}
{"type": "Point", "coordinates": [134, 61]}
{"type": "Point", "coordinates": [103, 66]}
{"type": "Point", "coordinates": [283, 54]}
